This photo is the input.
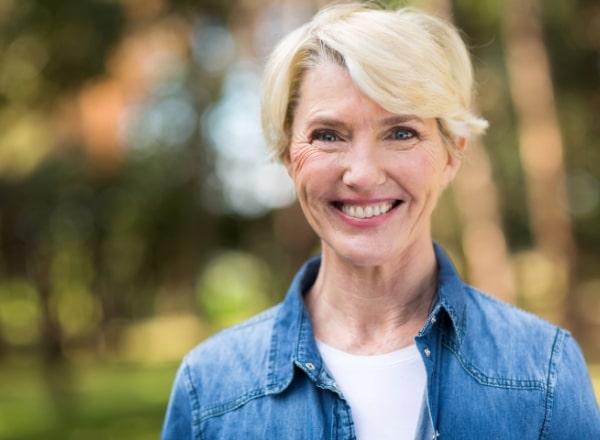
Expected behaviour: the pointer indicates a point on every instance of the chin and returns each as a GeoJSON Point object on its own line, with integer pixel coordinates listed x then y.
{"type": "Point", "coordinates": [363, 258]}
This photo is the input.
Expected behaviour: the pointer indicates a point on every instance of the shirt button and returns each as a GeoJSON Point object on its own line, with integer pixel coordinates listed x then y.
{"type": "Point", "coordinates": [310, 366]}
{"type": "Point", "coordinates": [427, 352]}
{"type": "Point", "coordinates": [433, 320]}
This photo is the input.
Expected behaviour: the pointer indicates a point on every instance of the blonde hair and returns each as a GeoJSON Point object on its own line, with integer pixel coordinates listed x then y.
{"type": "Point", "coordinates": [407, 61]}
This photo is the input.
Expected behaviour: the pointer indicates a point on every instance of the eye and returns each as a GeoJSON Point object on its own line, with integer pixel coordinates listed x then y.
{"type": "Point", "coordinates": [325, 136]}
{"type": "Point", "coordinates": [402, 134]}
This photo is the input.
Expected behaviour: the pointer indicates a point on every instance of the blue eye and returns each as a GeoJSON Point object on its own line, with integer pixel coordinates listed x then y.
{"type": "Point", "coordinates": [325, 136]}
{"type": "Point", "coordinates": [403, 134]}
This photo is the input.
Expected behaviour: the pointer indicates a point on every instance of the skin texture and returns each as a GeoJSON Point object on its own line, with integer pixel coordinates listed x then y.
{"type": "Point", "coordinates": [377, 279]}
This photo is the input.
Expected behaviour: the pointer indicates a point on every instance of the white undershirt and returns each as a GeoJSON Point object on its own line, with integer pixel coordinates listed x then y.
{"type": "Point", "coordinates": [385, 392]}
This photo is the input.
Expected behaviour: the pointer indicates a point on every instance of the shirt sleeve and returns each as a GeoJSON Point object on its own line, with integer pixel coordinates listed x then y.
{"type": "Point", "coordinates": [178, 419]}
{"type": "Point", "coordinates": [571, 408]}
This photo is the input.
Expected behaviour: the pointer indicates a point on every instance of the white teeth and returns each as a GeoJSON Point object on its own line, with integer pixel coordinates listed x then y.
{"type": "Point", "coordinates": [367, 211]}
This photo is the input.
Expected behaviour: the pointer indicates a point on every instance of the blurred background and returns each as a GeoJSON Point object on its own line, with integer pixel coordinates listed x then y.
{"type": "Point", "coordinates": [139, 211]}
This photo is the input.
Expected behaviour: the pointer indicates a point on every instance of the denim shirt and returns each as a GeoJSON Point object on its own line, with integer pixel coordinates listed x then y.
{"type": "Point", "coordinates": [493, 372]}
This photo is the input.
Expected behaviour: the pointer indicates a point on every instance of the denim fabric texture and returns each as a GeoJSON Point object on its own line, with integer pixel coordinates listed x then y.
{"type": "Point", "coordinates": [493, 372]}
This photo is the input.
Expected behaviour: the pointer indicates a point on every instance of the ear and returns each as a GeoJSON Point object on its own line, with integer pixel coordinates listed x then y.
{"type": "Point", "coordinates": [454, 158]}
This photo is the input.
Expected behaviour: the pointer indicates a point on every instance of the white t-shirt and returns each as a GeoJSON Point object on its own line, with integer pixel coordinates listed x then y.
{"type": "Point", "coordinates": [385, 392]}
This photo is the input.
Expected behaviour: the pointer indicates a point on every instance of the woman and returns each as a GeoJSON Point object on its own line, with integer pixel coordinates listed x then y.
{"type": "Point", "coordinates": [378, 338]}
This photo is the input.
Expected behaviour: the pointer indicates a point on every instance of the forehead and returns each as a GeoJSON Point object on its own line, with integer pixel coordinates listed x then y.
{"type": "Point", "coordinates": [328, 89]}
{"type": "Point", "coordinates": [329, 95]}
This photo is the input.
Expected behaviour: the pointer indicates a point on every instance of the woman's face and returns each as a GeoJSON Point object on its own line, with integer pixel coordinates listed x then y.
{"type": "Point", "coordinates": [367, 179]}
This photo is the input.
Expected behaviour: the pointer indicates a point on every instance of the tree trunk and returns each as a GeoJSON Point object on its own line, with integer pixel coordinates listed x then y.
{"type": "Point", "coordinates": [476, 195]}
{"type": "Point", "coordinates": [540, 143]}
{"type": "Point", "coordinates": [483, 239]}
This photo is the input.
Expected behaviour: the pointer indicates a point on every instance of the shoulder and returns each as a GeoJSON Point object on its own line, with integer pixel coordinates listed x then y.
{"type": "Point", "coordinates": [239, 343]}
{"type": "Point", "coordinates": [493, 317]}
{"type": "Point", "coordinates": [219, 375]}
{"type": "Point", "coordinates": [500, 341]}
{"type": "Point", "coordinates": [232, 363]}
{"type": "Point", "coordinates": [507, 347]}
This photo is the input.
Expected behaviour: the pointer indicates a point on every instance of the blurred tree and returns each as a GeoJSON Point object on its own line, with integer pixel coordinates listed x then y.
{"type": "Point", "coordinates": [79, 191]}
{"type": "Point", "coordinates": [127, 129]}
{"type": "Point", "coordinates": [475, 192]}
{"type": "Point", "coordinates": [541, 145]}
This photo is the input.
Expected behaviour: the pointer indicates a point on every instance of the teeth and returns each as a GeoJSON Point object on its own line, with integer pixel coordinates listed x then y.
{"type": "Point", "coordinates": [367, 211]}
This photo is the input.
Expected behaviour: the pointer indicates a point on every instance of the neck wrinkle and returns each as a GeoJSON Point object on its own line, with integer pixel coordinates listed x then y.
{"type": "Point", "coordinates": [372, 310]}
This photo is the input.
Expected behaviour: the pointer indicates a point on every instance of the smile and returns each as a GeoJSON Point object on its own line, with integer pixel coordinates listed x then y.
{"type": "Point", "coordinates": [367, 211]}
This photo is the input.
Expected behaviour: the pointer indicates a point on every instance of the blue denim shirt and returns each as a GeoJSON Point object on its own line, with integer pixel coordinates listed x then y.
{"type": "Point", "coordinates": [493, 371]}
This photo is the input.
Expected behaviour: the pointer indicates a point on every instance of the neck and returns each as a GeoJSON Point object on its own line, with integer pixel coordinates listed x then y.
{"type": "Point", "coordinates": [372, 310]}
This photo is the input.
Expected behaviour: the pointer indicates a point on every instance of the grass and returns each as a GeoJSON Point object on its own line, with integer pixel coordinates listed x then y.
{"type": "Point", "coordinates": [101, 402]}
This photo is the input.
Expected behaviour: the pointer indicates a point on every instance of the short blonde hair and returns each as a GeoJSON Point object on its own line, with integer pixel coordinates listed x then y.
{"type": "Point", "coordinates": [407, 61]}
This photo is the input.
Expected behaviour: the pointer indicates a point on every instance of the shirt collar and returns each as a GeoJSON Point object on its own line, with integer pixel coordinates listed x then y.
{"type": "Point", "coordinates": [450, 294]}
{"type": "Point", "coordinates": [293, 342]}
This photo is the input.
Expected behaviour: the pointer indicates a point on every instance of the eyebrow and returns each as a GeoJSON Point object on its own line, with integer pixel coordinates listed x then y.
{"type": "Point", "coordinates": [326, 122]}
{"type": "Point", "coordinates": [385, 122]}
{"type": "Point", "coordinates": [400, 119]}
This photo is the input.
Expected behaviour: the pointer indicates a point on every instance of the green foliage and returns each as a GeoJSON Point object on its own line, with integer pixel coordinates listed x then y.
{"type": "Point", "coordinates": [234, 286]}
{"type": "Point", "coordinates": [58, 43]}
{"type": "Point", "coordinates": [106, 401]}
{"type": "Point", "coordinates": [20, 312]}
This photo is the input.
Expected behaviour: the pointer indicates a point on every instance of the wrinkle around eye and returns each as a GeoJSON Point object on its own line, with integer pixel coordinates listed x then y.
{"type": "Point", "coordinates": [402, 144]}
{"type": "Point", "coordinates": [301, 154]}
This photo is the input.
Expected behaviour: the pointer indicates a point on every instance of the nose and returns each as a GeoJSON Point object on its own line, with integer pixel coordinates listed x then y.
{"type": "Point", "coordinates": [364, 167]}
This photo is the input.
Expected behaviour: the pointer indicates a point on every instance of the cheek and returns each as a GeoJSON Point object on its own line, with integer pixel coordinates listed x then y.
{"type": "Point", "coordinates": [420, 164]}
{"type": "Point", "coordinates": [419, 173]}
{"type": "Point", "coordinates": [437, 164]}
